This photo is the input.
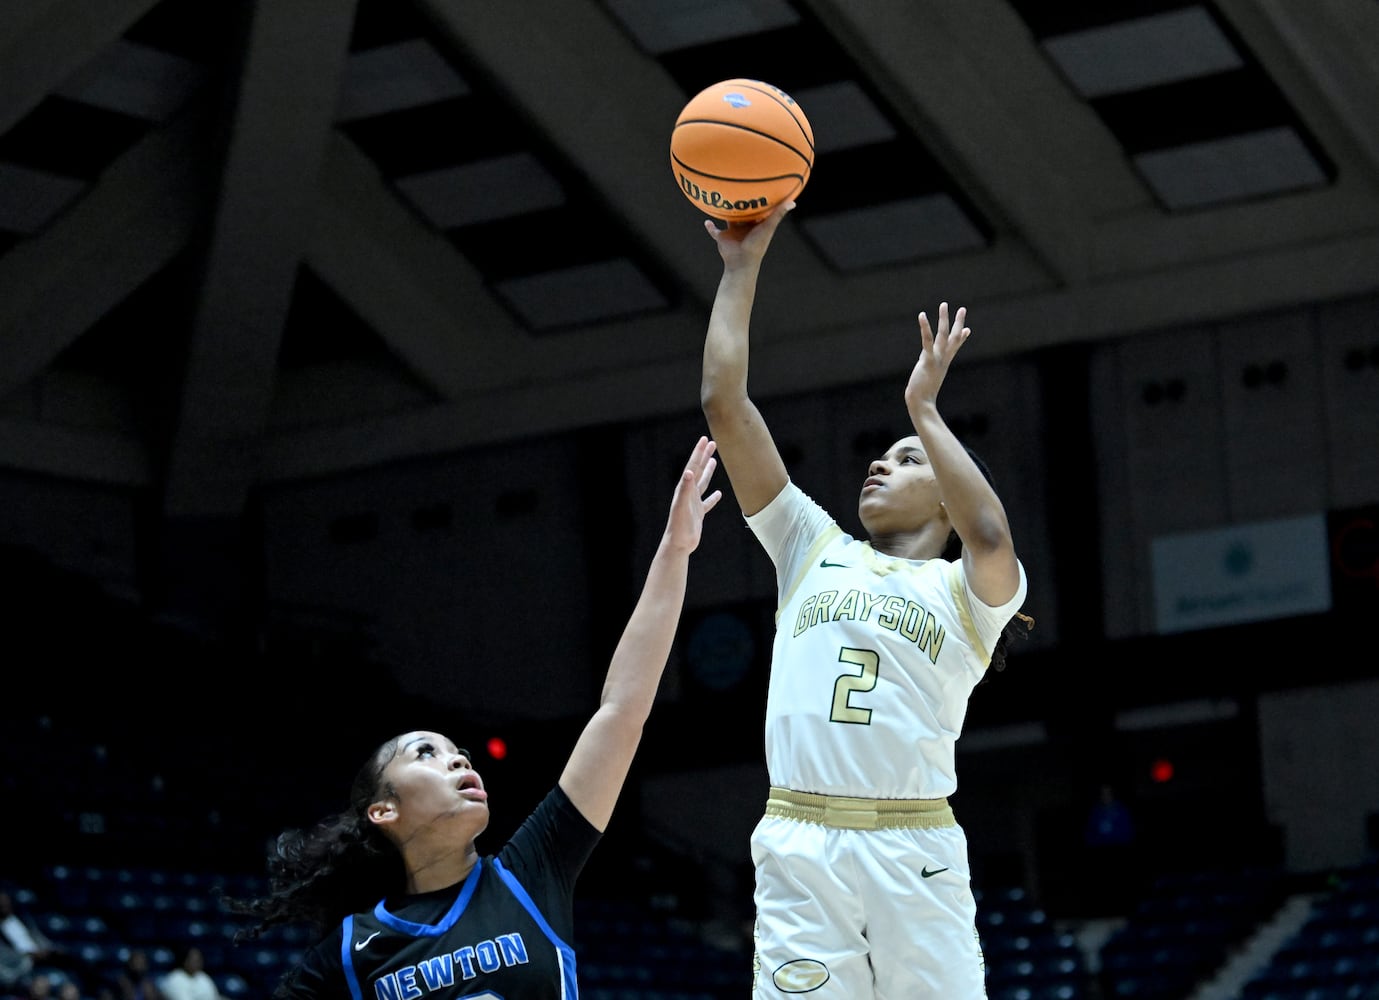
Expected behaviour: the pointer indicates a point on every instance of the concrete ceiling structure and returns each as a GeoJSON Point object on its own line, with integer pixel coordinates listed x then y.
{"type": "Point", "coordinates": [250, 243]}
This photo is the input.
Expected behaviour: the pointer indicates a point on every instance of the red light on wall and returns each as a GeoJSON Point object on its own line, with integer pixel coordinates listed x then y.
{"type": "Point", "coordinates": [497, 747]}
{"type": "Point", "coordinates": [1161, 771]}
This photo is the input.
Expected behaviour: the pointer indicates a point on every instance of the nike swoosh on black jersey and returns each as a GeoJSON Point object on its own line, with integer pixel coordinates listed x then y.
{"type": "Point", "coordinates": [361, 945]}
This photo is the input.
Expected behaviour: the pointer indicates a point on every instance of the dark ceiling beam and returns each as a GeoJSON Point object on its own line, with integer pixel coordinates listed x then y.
{"type": "Point", "coordinates": [405, 280]}
{"type": "Point", "coordinates": [95, 457]}
{"type": "Point", "coordinates": [140, 216]}
{"type": "Point", "coordinates": [46, 41]}
{"type": "Point", "coordinates": [1194, 293]}
{"type": "Point", "coordinates": [986, 123]}
{"type": "Point", "coordinates": [1324, 56]}
{"type": "Point", "coordinates": [294, 56]}
{"type": "Point", "coordinates": [558, 61]}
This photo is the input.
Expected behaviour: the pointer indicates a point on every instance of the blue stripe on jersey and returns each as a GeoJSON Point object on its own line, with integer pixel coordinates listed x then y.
{"type": "Point", "coordinates": [351, 979]}
{"type": "Point", "coordinates": [445, 923]}
{"type": "Point", "coordinates": [569, 984]}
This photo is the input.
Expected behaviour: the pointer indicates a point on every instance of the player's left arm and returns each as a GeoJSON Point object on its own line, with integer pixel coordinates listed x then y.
{"type": "Point", "coordinates": [974, 510]}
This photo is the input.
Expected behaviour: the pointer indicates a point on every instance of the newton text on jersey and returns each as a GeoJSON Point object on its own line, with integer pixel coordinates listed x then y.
{"type": "Point", "coordinates": [413, 981]}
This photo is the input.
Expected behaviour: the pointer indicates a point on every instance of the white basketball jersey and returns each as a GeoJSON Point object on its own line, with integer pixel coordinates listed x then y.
{"type": "Point", "coordinates": [873, 661]}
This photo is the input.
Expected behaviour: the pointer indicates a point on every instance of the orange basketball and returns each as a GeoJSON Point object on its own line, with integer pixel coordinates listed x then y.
{"type": "Point", "coordinates": [740, 148]}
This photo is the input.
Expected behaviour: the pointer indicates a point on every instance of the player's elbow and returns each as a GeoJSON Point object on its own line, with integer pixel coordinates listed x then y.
{"type": "Point", "coordinates": [718, 402]}
{"type": "Point", "coordinates": [988, 534]}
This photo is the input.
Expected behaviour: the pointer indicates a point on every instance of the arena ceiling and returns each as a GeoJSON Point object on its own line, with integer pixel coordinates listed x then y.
{"type": "Point", "coordinates": [248, 243]}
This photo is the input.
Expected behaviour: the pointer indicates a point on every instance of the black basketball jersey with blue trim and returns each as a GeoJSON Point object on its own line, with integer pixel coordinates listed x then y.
{"type": "Point", "coordinates": [503, 933]}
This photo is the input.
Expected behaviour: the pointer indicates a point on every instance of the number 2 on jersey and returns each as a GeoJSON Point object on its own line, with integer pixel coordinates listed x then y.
{"type": "Point", "coordinates": [846, 684]}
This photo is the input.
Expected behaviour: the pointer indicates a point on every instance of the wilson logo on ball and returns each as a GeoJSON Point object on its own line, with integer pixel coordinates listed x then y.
{"type": "Point", "coordinates": [719, 202]}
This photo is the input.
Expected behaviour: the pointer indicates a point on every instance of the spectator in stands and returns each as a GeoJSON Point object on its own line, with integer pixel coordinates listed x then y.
{"type": "Point", "coordinates": [189, 980]}
{"type": "Point", "coordinates": [53, 987]}
{"type": "Point", "coordinates": [136, 980]}
{"type": "Point", "coordinates": [20, 933]}
{"type": "Point", "coordinates": [15, 967]}
{"type": "Point", "coordinates": [43, 986]}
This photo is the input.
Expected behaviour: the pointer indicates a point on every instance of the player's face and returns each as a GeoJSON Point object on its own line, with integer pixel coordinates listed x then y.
{"type": "Point", "coordinates": [900, 492]}
{"type": "Point", "coordinates": [432, 779]}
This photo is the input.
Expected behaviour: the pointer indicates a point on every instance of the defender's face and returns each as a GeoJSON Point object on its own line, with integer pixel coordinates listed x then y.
{"type": "Point", "coordinates": [431, 779]}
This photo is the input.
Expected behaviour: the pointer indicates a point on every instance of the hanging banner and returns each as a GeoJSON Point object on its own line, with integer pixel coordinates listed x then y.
{"type": "Point", "coordinates": [1242, 573]}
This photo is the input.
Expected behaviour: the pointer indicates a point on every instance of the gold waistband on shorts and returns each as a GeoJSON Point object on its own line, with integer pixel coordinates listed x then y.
{"type": "Point", "coordinates": [847, 813]}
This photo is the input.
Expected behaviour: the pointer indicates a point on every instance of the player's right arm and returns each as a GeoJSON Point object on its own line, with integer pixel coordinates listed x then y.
{"type": "Point", "coordinates": [745, 447]}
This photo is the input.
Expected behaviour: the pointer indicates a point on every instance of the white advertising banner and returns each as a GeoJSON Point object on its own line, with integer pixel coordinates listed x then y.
{"type": "Point", "coordinates": [1241, 573]}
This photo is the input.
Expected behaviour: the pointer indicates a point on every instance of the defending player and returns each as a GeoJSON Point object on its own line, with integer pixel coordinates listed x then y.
{"type": "Point", "coordinates": [395, 882]}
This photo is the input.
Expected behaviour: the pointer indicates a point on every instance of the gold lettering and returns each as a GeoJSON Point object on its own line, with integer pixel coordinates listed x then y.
{"type": "Point", "coordinates": [825, 601]}
{"type": "Point", "coordinates": [931, 637]}
{"type": "Point", "coordinates": [895, 607]}
{"type": "Point", "coordinates": [847, 608]}
{"type": "Point", "coordinates": [802, 619]}
{"type": "Point", "coordinates": [909, 625]}
{"type": "Point", "coordinates": [896, 615]}
{"type": "Point", "coordinates": [869, 603]}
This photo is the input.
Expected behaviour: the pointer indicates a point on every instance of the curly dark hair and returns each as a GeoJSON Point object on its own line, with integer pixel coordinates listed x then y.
{"type": "Point", "coordinates": [1019, 627]}
{"type": "Point", "coordinates": [341, 865]}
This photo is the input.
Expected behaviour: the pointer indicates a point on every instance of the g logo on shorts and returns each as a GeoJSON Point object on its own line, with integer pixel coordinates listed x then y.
{"type": "Point", "coordinates": [802, 975]}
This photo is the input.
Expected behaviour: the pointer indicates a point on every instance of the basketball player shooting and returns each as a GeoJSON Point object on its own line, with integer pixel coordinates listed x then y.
{"type": "Point", "coordinates": [862, 882]}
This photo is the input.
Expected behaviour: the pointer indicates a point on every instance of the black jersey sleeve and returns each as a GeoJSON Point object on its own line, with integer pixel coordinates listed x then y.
{"type": "Point", "coordinates": [318, 976]}
{"type": "Point", "coordinates": [548, 852]}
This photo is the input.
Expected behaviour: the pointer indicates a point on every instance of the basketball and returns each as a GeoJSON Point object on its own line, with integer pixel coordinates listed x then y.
{"type": "Point", "coordinates": [741, 147]}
